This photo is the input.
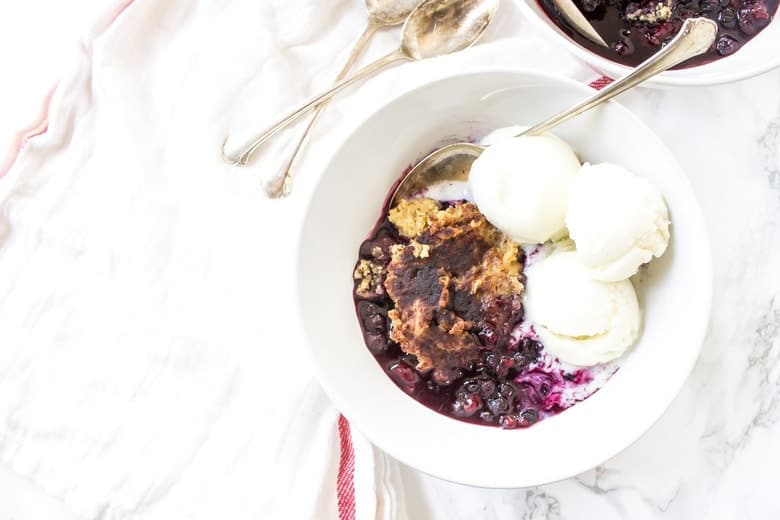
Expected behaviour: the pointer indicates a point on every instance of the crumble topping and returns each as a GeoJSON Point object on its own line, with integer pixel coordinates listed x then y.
{"type": "Point", "coordinates": [420, 250]}
{"type": "Point", "coordinates": [410, 216]}
{"type": "Point", "coordinates": [370, 276]}
{"type": "Point", "coordinates": [654, 12]}
{"type": "Point", "coordinates": [456, 286]}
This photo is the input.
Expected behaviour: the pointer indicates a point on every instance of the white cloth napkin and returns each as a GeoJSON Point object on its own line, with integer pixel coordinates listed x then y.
{"type": "Point", "coordinates": [148, 366]}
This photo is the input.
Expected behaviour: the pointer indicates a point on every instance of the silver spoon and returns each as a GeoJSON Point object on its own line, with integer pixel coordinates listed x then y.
{"type": "Point", "coordinates": [434, 28]}
{"type": "Point", "coordinates": [453, 162]}
{"type": "Point", "coordinates": [381, 13]}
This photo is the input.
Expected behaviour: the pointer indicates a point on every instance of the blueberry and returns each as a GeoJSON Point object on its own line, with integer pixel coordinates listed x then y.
{"type": "Point", "coordinates": [528, 352]}
{"type": "Point", "coordinates": [531, 349]}
{"type": "Point", "coordinates": [521, 362]}
{"type": "Point", "coordinates": [373, 317]}
{"type": "Point", "coordinates": [726, 45]}
{"type": "Point", "coordinates": [467, 405]}
{"type": "Point", "coordinates": [378, 322]}
{"type": "Point", "coordinates": [507, 391]}
{"type": "Point", "coordinates": [481, 369]}
{"type": "Point", "coordinates": [504, 366]}
{"type": "Point", "coordinates": [709, 5]}
{"type": "Point", "coordinates": [752, 18]}
{"type": "Point", "coordinates": [759, 9]}
{"type": "Point", "coordinates": [487, 335]}
{"type": "Point", "coordinates": [728, 18]}
{"type": "Point", "coordinates": [378, 246]}
{"type": "Point", "coordinates": [444, 377]}
{"type": "Point", "coordinates": [498, 405]}
{"type": "Point", "coordinates": [590, 5]}
{"type": "Point", "coordinates": [529, 416]}
{"type": "Point", "coordinates": [376, 343]}
{"type": "Point", "coordinates": [509, 422]}
{"type": "Point", "coordinates": [622, 48]}
{"type": "Point", "coordinates": [471, 386]}
{"type": "Point", "coordinates": [662, 34]}
{"type": "Point", "coordinates": [487, 388]}
{"type": "Point", "coordinates": [404, 375]}
{"type": "Point", "coordinates": [746, 23]}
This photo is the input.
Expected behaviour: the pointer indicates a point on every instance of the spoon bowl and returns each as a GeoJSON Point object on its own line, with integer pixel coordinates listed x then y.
{"type": "Point", "coordinates": [450, 163]}
{"type": "Point", "coordinates": [389, 12]}
{"type": "Point", "coordinates": [439, 27]}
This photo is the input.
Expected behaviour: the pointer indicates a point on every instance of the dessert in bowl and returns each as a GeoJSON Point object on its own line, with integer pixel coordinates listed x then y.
{"type": "Point", "coordinates": [441, 282]}
{"type": "Point", "coordinates": [748, 36]}
{"type": "Point", "coordinates": [673, 291]}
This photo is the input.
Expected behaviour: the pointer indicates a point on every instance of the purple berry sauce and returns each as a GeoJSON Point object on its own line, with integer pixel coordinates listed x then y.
{"type": "Point", "coordinates": [514, 383]}
{"type": "Point", "coordinates": [631, 41]}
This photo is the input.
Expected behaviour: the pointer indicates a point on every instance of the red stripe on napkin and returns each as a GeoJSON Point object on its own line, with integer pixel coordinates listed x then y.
{"type": "Point", "coordinates": [119, 10]}
{"type": "Point", "coordinates": [345, 482]}
{"type": "Point", "coordinates": [41, 124]}
{"type": "Point", "coordinates": [600, 83]}
{"type": "Point", "coordinates": [37, 128]}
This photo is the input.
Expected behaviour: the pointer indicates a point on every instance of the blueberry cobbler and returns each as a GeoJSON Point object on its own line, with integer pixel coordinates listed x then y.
{"type": "Point", "coordinates": [478, 308]}
{"type": "Point", "coordinates": [636, 29]}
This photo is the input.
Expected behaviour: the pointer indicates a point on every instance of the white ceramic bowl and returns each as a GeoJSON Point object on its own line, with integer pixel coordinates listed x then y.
{"type": "Point", "coordinates": [345, 205]}
{"type": "Point", "coordinates": [759, 55]}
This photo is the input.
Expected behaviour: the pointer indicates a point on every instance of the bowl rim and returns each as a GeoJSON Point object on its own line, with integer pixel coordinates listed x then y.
{"type": "Point", "coordinates": [615, 70]}
{"type": "Point", "coordinates": [702, 321]}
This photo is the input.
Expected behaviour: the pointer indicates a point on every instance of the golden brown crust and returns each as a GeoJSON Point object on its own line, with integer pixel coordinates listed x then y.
{"type": "Point", "coordinates": [410, 216]}
{"type": "Point", "coordinates": [441, 281]}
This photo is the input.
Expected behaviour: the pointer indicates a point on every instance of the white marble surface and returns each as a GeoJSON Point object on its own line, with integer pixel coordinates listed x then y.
{"type": "Point", "coordinates": [21, 499]}
{"type": "Point", "coordinates": [714, 454]}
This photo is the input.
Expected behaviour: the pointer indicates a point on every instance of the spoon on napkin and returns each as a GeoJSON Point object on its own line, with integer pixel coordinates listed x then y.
{"type": "Point", "coordinates": [434, 28]}
{"type": "Point", "coordinates": [381, 13]}
{"type": "Point", "coordinates": [453, 162]}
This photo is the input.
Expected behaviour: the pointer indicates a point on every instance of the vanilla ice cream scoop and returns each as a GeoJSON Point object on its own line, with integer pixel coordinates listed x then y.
{"type": "Point", "coordinates": [521, 186]}
{"type": "Point", "coordinates": [580, 320]}
{"type": "Point", "coordinates": [617, 220]}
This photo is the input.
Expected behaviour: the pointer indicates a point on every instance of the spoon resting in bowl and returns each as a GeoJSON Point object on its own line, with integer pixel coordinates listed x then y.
{"type": "Point", "coordinates": [453, 162]}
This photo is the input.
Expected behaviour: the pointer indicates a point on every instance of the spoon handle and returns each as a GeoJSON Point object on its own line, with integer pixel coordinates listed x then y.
{"type": "Point", "coordinates": [239, 147]}
{"type": "Point", "coordinates": [696, 36]}
{"type": "Point", "coordinates": [280, 184]}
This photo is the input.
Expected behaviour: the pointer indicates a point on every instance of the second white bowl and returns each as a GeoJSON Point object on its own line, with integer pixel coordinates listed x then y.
{"type": "Point", "coordinates": [757, 56]}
